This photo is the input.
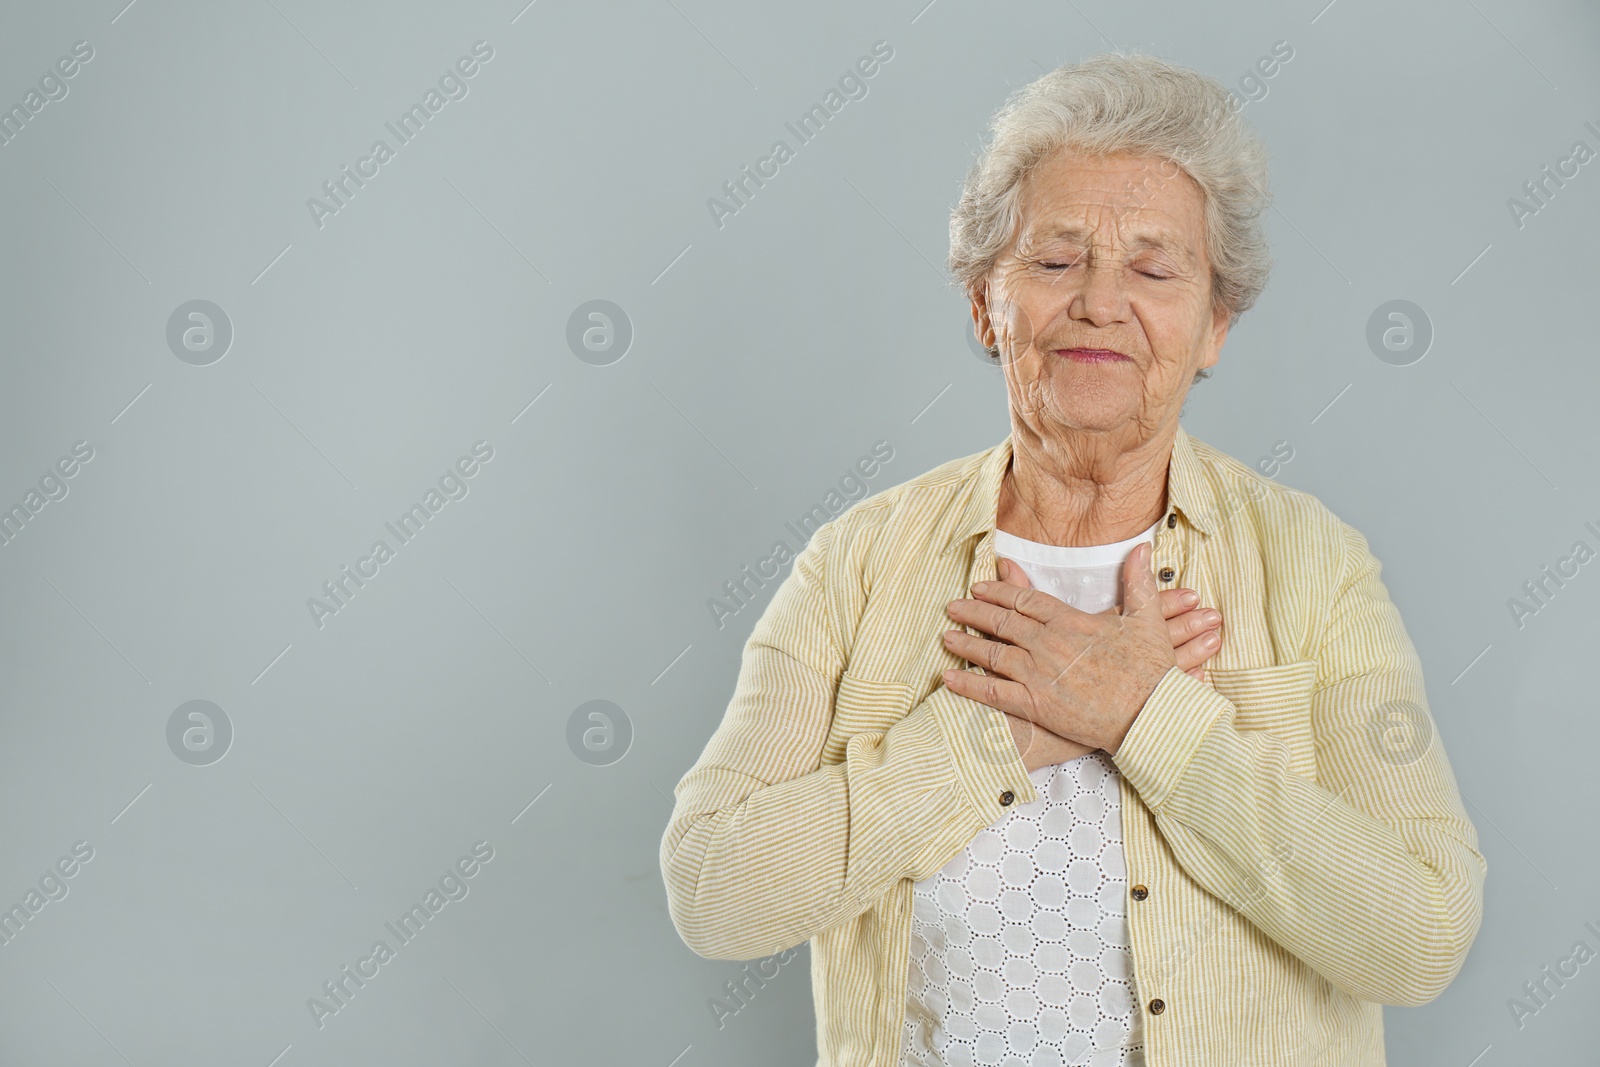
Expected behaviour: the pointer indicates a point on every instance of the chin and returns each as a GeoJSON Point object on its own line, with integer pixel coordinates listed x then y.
{"type": "Point", "coordinates": [1086, 411]}
{"type": "Point", "coordinates": [1095, 421]}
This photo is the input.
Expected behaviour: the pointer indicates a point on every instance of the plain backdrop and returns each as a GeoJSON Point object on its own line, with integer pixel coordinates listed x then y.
{"type": "Point", "coordinates": [740, 368]}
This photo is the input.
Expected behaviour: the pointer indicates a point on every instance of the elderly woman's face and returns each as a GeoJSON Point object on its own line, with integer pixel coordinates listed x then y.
{"type": "Point", "coordinates": [1110, 258]}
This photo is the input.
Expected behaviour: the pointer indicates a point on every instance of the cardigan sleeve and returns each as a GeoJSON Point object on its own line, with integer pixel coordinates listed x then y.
{"type": "Point", "coordinates": [1371, 874]}
{"type": "Point", "coordinates": [767, 846]}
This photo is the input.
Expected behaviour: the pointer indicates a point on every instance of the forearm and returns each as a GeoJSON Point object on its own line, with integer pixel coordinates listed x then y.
{"type": "Point", "coordinates": [753, 868]}
{"type": "Point", "coordinates": [1383, 908]}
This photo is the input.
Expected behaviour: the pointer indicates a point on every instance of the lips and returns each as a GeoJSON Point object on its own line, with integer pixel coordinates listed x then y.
{"type": "Point", "coordinates": [1093, 355]}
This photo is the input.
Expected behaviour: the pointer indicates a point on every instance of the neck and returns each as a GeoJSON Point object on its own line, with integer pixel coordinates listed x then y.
{"type": "Point", "coordinates": [1080, 490]}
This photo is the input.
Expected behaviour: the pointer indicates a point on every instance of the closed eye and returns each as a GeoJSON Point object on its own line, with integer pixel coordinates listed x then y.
{"type": "Point", "coordinates": [1063, 266]}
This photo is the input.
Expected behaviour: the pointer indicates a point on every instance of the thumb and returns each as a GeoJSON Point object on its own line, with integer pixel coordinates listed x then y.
{"type": "Point", "coordinates": [1139, 591]}
{"type": "Point", "coordinates": [1012, 574]}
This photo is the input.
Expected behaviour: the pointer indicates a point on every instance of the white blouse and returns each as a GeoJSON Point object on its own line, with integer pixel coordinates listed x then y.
{"type": "Point", "coordinates": [1019, 945]}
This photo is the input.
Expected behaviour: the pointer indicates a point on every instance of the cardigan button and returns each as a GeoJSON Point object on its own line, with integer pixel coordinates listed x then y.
{"type": "Point", "coordinates": [1006, 798]}
{"type": "Point", "coordinates": [1172, 519]}
{"type": "Point", "coordinates": [1139, 892]}
{"type": "Point", "coordinates": [1167, 574]}
{"type": "Point", "coordinates": [1157, 1006]}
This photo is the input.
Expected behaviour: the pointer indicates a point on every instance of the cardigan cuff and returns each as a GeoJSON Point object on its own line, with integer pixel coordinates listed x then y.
{"type": "Point", "coordinates": [1164, 736]}
{"type": "Point", "coordinates": [986, 758]}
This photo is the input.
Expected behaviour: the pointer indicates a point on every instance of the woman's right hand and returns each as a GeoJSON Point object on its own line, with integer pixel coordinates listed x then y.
{"type": "Point", "coordinates": [1196, 637]}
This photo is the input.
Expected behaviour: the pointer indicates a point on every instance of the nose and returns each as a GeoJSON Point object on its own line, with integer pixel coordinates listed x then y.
{"type": "Point", "coordinates": [1101, 299]}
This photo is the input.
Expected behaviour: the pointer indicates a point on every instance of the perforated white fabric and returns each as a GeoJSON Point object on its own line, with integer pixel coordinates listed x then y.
{"type": "Point", "coordinates": [1019, 945]}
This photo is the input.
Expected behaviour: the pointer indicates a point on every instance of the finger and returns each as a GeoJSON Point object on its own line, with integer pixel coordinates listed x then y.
{"type": "Point", "coordinates": [1000, 693]}
{"type": "Point", "coordinates": [1175, 602]}
{"type": "Point", "coordinates": [1192, 624]}
{"type": "Point", "coordinates": [1140, 593]}
{"type": "Point", "coordinates": [995, 656]}
{"type": "Point", "coordinates": [1011, 573]}
{"type": "Point", "coordinates": [1192, 654]}
{"type": "Point", "coordinates": [1009, 626]}
{"type": "Point", "coordinates": [1031, 603]}
{"type": "Point", "coordinates": [1197, 673]}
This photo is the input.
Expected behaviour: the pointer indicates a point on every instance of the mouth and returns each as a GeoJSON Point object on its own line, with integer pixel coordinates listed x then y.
{"type": "Point", "coordinates": [1093, 355]}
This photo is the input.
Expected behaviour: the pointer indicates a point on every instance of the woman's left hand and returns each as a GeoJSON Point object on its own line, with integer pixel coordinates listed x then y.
{"type": "Point", "coordinates": [1080, 675]}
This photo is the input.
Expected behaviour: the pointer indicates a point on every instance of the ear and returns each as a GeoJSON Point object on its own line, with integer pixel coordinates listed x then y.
{"type": "Point", "coordinates": [980, 317]}
{"type": "Point", "coordinates": [1219, 334]}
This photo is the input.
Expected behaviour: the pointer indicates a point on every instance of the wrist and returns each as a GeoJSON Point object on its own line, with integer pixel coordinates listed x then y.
{"type": "Point", "coordinates": [1152, 678]}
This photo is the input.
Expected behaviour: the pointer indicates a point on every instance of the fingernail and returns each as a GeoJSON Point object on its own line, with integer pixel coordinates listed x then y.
{"type": "Point", "coordinates": [1208, 639]}
{"type": "Point", "coordinates": [1189, 597]}
{"type": "Point", "coordinates": [1211, 616]}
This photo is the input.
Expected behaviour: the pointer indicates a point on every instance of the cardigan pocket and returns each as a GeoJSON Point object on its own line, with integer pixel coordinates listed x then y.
{"type": "Point", "coordinates": [863, 705]}
{"type": "Point", "coordinates": [1275, 700]}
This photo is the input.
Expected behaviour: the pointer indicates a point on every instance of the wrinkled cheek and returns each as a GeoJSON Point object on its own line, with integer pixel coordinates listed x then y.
{"type": "Point", "coordinates": [1032, 396]}
{"type": "Point", "coordinates": [1014, 327]}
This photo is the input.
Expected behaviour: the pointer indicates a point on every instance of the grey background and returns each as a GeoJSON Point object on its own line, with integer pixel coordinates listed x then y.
{"type": "Point", "coordinates": [768, 354]}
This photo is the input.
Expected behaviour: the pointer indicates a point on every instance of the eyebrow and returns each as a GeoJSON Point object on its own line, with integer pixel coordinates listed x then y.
{"type": "Point", "coordinates": [1160, 240]}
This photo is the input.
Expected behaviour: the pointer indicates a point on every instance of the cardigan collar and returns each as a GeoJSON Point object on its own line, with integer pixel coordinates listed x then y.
{"type": "Point", "coordinates": [1189, 491]}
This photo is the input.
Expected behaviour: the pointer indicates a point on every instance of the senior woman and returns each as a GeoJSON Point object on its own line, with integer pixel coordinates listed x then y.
{"type": "Point", "coordinates": [991, 749]}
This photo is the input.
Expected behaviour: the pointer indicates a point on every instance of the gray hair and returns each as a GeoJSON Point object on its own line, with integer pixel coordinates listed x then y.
{"type": "Point", "coordinates": [1116, 103]}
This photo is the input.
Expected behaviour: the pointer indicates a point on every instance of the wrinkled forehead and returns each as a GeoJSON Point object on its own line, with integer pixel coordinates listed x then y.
{"type": "Point", "coordinates": [1124, 202]}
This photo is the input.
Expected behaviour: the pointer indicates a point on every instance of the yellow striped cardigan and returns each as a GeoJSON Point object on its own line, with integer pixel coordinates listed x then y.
{"type": "Point", "coordinates": [1293, 821]}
